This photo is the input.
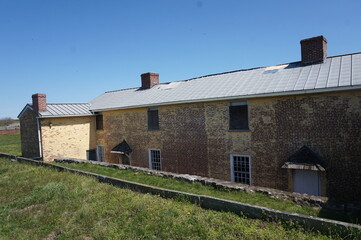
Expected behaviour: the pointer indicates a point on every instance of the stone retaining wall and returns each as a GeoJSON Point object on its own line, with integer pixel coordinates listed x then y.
{"type": "Point", "coordinates": [302, 199]}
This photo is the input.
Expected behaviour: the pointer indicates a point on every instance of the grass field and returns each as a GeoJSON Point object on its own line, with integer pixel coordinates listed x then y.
{"type": "Point", "coordinates": [41, 203]}
{"type": "Point", "coordinates": [197, 188]}
{"type": "Point", "coordinates": [10, 144]}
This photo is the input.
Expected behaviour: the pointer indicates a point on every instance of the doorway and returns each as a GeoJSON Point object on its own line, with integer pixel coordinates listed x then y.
{"type": "Point", "coordinates": [306, 181]}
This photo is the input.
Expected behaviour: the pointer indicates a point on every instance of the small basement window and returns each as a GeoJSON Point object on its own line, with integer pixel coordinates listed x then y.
{"type": "Point", "coordinates": [153, 119]}
{"type": "Point", "coordinates": [99, 122]}
{"type": "Point", "coordinates": [154, 159]}
{"type": "Point", "coordinates": [238, 116]}
{"type": "Point", "coordinates": [241, 169]}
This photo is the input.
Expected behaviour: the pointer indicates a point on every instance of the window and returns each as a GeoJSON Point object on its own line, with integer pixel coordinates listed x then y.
{"type": "Point", "coordinates": [100, 153]}
{"type": "Point", "coordinates": [241, 169]}
{"type": "Point", "coordinates": [91, 154]}
{"type": "Point", "coordinates": [153, 119]}
{"type": "Point", "coordinates": [238, 116]}
{"type": "Point", "coordinates": [99, 122]}
{"type": "Point", "coordinates": [154, 159]}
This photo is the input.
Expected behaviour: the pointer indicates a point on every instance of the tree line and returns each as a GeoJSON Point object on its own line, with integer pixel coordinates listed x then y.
{"type": "Point", "coordinates": [6, 121]}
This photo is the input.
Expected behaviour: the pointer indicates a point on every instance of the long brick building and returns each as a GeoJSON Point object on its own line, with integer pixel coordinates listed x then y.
{"type": "Point", "coordinates": [293, 127]}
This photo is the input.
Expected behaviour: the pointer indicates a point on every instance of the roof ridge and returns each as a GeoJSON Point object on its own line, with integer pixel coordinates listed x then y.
{"type": "Point", "coordinates": [341, 55]}
{"type": "Point", "coordinates": [65, 103]}
{"type": "Point", "coordinates": [123, 89]}
{"type": "Point", "coordinates": [233, 71]}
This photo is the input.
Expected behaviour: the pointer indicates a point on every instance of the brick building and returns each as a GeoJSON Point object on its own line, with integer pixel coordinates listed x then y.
{"type": "Point", "coordinates": [294, 127]}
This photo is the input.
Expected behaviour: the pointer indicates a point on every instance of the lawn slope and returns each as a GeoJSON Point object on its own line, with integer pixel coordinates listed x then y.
{"type": "Point", "coordinates": [37, 202]}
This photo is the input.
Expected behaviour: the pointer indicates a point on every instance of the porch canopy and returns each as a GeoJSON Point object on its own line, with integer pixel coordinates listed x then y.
{"type": "Point", "coordinates": [305, 159]}
{"type": "Point", "coordinates": [122, 148]}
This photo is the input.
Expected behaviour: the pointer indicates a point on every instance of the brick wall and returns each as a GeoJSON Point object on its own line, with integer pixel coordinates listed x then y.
{"type": "Point", "coordinates": [313, 49]}
{"type": "Point", "coordinates": [29, 134]}
{"type": "Point", "coordinates": [194, 138]}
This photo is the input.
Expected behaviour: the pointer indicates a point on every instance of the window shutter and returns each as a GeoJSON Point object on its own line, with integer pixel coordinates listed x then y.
{"type": "Point", "coordinates": [153, 119]}
{"type": "Point", "coordinates": [238, 116]}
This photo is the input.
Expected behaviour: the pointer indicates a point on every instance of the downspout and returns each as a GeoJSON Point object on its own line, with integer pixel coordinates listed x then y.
{"type": "Point", "coordinates": [39, 137]}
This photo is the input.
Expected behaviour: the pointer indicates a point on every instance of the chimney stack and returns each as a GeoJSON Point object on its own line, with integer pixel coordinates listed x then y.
{"type": "Point", "coordinates": [149, 80]}
{"type": "Point", "coordinates": [314, 50]}
{"type": "Point", "coordinates": [39, 102]}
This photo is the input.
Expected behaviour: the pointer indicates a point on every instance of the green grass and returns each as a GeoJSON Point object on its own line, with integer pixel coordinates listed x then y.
{"type": "Point", "coordinates": [41, 203]}
{"type": "Point", "coordinates": [10, 144]}
{"type": "Point", "coordinates": [197, 188]}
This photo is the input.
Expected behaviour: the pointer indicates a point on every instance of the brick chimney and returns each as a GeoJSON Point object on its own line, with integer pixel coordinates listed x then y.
{"type": "Point", "coordinates": [39, 102]}
{"type": "Point", "coordinates": [149, 80]}
{"type": "Point", "coordinates": [314, 50]}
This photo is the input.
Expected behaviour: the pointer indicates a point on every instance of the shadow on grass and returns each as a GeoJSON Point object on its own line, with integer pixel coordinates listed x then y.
{"type": "Point", "coordinates": [340, 216]}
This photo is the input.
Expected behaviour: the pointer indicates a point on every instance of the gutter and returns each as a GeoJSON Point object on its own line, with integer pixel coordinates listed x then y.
{"type": "Point", "coordinates": [63, 116]}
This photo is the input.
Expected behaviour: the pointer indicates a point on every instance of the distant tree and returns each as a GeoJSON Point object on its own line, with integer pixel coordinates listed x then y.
{"type": "Point", "coordinates": [6, 121]}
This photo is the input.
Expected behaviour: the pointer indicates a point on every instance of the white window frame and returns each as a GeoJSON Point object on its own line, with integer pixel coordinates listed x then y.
{"type": "Point", "coordinates": [150, 158]}
{"type": "Point", "coordinates": [232, 167]}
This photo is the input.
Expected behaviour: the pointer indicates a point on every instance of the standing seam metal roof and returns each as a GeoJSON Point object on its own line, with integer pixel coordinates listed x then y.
{"type": "Point", "coordinates": [331, 75]}
{"type": "Point", "coordinates": [66, 109]}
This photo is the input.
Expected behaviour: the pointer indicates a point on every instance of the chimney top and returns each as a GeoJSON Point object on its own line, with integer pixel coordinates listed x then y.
{"type": "Point", "coordinates": [313, 50]}
{"type": "Point", "coordinates": [39, 102]}
{"type": "Point", "coordinates": [149, 80]}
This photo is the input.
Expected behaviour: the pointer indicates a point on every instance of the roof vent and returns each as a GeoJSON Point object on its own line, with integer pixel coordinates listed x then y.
{"type": "Point", "coordinates": [314, 50]}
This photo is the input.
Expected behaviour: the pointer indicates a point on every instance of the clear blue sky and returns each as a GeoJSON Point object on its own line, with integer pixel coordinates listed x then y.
{"type": "Point", "coordinates": [74, 50]}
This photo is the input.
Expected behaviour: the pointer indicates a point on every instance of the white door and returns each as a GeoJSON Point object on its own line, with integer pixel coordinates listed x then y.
{"type": "Point", "coordinates": [306, 182]}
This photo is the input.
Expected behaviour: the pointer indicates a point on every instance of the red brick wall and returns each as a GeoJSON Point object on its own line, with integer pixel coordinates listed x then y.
{"type": "Point", "coordinates": [39, 102]}
{"type": "Point", "coordinates": [313, 49]}
{"type": "Point", "coordinates": [149, 80]}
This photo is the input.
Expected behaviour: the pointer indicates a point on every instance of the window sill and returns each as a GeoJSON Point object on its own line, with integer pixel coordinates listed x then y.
{"type": "Point", "coordinates": [240, 130]}
{"type": "Point", "coordinates": [153, 130]}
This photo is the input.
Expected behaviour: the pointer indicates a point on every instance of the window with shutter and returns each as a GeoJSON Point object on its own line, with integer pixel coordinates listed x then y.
{"type": "Point", "coordinates": [153, 119]}
{"type": "Point", "coordinates": [238, 116]}
{"type": "Point", "coordinates": [99, 122]}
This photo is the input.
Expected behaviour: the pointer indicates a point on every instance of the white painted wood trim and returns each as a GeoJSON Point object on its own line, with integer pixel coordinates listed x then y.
{"type": "Point", "coordinates": [150, 157]}
{"type": "Point", "coordinates": [232, 168]}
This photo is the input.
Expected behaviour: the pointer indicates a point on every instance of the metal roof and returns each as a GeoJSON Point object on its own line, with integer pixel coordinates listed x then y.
{"type": "Point", "coordinates": [335, 73]}
{"type": "Point", "coordinates": [65, 110]}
